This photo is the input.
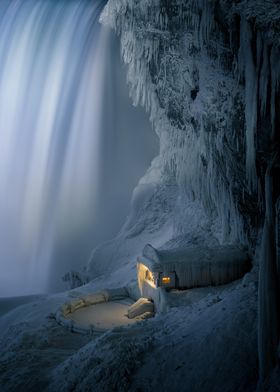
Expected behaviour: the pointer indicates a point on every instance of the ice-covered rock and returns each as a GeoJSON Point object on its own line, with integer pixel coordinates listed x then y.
{"type": "Point", "coordinates": [143, 305]}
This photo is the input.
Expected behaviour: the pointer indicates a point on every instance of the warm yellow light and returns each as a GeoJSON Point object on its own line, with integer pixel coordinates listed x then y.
{"type": "Point", "coordinates": [144, 275]}
{"type": "Point", "coordinates": [166, 279]}
{"type": "Point", "coordinates": [149, 276]}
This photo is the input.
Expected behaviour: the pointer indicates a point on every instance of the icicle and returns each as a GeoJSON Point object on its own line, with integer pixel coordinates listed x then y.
{"type": "Point", "coordinates": [198, 166]}
{"type": "Point", "coordinates": [268, 294]}
{"type": "Point", "coordinates": [263, 80]}
{"type": "Point", "coordinates": [275, 79]}
{"type": "Point", "coordinates": [247, 61]}
{"type": "Point", "coordinates": [206, 22]}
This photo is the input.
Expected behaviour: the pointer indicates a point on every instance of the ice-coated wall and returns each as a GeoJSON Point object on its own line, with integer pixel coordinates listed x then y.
{"type": "Point", "coordinates": [183, 67]}
{"type": "Point", "coordinates": [206, 72]}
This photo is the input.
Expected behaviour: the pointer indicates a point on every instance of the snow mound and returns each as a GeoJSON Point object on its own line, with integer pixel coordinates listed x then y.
{"type": "Point", "coordinates": [165, 352]}
{"type": "Point", "coordinates": [106, 364]}
{"type": "Point", "coordinates": [140, 307]}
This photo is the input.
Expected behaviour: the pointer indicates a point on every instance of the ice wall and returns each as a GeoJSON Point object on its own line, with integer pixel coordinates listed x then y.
{"type": "Point", "coordinates": [208, 73]}
{"type": "Point", "coordinates": [183, 67]}
{"type": "Point", "coordinates": [203, 71]}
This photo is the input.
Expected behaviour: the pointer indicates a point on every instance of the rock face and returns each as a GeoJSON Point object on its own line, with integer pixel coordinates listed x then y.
{"type": "Point", "coordinates": [181, 67]}
{"type": "Point", "coordinates": [184, 65]}
{"type": "Point", "coordinates": [208, 73]}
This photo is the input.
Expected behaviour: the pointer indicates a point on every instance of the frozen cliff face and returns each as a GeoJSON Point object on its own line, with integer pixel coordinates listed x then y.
{"type": "Point", "coordinates": [201, 71]}
{"type": "Point", "coordinates": [181, 67]}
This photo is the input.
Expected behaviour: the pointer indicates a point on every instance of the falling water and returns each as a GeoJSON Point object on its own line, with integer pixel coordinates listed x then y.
{"type": "Point", "coordinates": [52, 75]}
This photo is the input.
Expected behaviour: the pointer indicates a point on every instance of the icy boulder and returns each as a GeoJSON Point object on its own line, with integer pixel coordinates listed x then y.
{"type": "Point", "coordinates": [142, 307]}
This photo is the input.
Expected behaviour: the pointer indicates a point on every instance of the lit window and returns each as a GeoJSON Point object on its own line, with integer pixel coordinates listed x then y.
{"type": "Point", "coordinates": [166, 279]}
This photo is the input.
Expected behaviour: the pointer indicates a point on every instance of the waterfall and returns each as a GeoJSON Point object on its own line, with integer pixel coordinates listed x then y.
{"type": "Point", "coordinates": [56, 140]}
{"type": "Point", "coordinates": [67, 132]}
{"type": "Point", "coordinates": [51, 73]}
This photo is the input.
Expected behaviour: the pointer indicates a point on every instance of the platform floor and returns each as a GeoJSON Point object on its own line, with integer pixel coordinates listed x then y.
{"type": "Point", "coordinates": [105, 315]}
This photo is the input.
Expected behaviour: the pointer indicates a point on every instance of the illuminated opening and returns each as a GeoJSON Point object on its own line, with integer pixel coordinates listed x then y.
{"type": "Point", "coordinates": [145, 275]}
{"type": "Point", "coordinates": [166, 280]}
{"type": "Point", "coordinates": [150, 276]}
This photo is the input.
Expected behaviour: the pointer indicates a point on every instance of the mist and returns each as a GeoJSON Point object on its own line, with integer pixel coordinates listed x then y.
{"type": "Point", "coordinates": [72, 145]}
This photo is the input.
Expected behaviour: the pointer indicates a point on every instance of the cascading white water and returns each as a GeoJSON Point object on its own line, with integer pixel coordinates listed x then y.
{"type": "Point", "coordinates": [52, 77]}
{"type": "Point", "coordinates": [50, 85]}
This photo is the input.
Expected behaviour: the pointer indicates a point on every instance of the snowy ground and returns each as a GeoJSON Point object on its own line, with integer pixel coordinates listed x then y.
{"type": "Point", "coordinates": [206, 342]}
{"type": "Point", "coordinates": [7, 304]}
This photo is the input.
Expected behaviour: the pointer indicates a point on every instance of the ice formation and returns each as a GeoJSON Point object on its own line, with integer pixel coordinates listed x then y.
{"type": "Point", "coordinates": [208, 74]}
{"type": "Point", "coordinates": [187, 83]}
